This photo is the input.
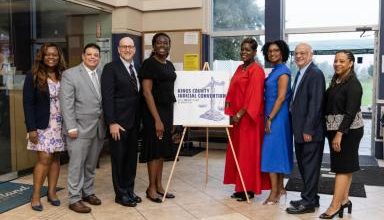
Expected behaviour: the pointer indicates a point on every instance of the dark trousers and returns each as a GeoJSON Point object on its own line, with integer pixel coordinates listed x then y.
{"type": "Point", "coordinates": [124, 162]}
{"type": "Point", "coordinates": [309, 157]}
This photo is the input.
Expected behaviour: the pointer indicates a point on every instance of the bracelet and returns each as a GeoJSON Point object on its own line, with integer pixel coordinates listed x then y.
{"type": "Point", "coordinates": [269, 118]}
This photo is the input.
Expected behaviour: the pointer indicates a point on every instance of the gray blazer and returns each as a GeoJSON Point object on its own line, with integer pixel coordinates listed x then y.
{"type": "Point", "coordinates": [80, 104]}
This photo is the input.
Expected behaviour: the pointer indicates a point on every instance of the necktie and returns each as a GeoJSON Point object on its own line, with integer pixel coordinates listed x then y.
{"type": "Point", "coordinates": [132, 75]}
{"type": "Point", "coordinates": [95, 82]}
{"type": "Point", "coordinates": [295, 82]}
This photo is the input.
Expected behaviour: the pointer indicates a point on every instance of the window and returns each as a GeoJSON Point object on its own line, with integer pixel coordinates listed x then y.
{"type": "Point", "coordinates": [327, 13]}
{"type": "Point", "coordinates": [229, 15]}
{"type": "Point", "coordinates": [325, 45]}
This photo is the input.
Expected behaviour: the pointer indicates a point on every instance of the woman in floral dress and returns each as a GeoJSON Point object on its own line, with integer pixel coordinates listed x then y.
{"type": "Point", "coordinates": [43, 120]}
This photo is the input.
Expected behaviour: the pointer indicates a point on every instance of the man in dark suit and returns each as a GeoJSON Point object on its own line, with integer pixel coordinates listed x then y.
{"type": "Point", "coordinates": [120, 93]}
{"type": "Point", "coordinates": [308, 127]}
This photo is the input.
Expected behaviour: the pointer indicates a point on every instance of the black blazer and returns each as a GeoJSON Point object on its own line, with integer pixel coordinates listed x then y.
{"type": "Point", "coordinates": [307, 107]}
{"type": "Point", "coordinates": [121, 100]}
{"type": "Point", "coordinates": [36, 105]}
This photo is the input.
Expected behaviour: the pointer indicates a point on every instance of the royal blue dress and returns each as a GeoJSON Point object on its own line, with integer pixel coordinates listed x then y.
{"type": "Point", "coordinates": [277, 150]}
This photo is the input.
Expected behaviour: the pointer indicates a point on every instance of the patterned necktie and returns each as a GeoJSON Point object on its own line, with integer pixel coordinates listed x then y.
{"type": "Point", "coordinates": [95, 82]}
{"type": "Point", "coordinates": [132, 75]}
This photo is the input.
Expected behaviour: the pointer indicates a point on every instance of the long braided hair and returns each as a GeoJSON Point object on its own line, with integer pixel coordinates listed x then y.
{"type": "Point", "coordinates": [350, 75]}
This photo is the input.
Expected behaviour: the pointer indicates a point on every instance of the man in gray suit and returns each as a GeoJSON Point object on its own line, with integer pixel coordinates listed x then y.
{"type": "Point", "coordinates": [80, 101]}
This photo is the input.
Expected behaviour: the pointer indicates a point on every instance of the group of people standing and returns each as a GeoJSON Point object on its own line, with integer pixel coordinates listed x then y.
{"type": "Point", "coordinates": [75, 107]}
{"type": "Point", "coordinates": [269, 117]}
{"type": "Point", "coordinates": [72, 109]}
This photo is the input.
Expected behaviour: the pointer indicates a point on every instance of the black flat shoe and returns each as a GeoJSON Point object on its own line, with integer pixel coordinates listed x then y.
{"type": "Point", "coordinates": [38, 207]}
{"type": "Point", "coordinates": [168, 196]}
{"type": "Point", "coordinates": [156, 199]}
{"type": "Point", "coordinates": [243, 198]}
{"type": "Point", "coordinates": [54, 202]}
{"type": "Point", "coordinates": [339, 212]}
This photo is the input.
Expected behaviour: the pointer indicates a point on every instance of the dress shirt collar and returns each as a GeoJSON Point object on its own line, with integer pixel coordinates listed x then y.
{"type": "Point", "coordinates": [302, 70]}
{"type": "Point", "coordinates": [89, 71]}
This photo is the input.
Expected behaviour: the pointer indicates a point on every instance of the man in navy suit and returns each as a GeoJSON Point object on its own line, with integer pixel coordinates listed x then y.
{"type": "Point", "coordinates": [308, 127]}
{"type": "Point", "coordinates": [120, 93]}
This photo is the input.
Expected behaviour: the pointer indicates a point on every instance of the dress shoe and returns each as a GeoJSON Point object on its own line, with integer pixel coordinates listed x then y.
{"type": "Point", "coordinates": [154, 199]}
{"type": "Point", "coordinates": [79, 207]}
{"type": "Point", "coordinates": [301, 209]}
{"type": "Point", "coordinates": [92, 199]}
{"type": "Point", "coordinates": [135, 197]}
{"type": "Point", "coordinates": [38, 207]}
{"type": "Point", "coordinates": [55, 202]}
{"type": "Point", "coordinates": [339, 212]}
{"type": "Point", "coordinates": [296, 203]}
{"type": "Point", "coordinates": [348, 205]}
{"type": "Point", "coordinates": [168, 196]}
{"type": "Point", "coordinates": [126, 201]}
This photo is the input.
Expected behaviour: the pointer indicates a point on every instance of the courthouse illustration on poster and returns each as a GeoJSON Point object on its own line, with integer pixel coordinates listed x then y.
{"type": "Point", "coordinates": [200, 98]}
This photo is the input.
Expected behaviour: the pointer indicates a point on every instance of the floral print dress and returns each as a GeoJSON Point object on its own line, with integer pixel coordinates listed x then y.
{"type": "Point", "coordinates": [51, 139]}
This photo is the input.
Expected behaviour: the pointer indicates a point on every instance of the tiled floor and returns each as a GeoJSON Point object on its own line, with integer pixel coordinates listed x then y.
{"type": "Point", "coordinates": [194, 199]}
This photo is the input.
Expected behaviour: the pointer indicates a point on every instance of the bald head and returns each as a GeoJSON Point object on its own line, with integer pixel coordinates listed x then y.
{"type": "Point", "coordinates": [126, 49]}
{"type": "Point", "coordinates": [303, 54]}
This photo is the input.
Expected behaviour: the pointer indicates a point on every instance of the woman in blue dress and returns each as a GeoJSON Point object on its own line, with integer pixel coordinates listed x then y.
{"type": "Point", "coordinates": [277, 150]}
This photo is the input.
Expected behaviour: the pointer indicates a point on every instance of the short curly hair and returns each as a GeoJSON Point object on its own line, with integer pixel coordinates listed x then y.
{"type": "Point", "coordinates": [284, 49]}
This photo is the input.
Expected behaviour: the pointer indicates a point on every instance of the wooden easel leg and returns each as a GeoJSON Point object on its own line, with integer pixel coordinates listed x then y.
{"type": "Point", "coordinates": [237, 165]}
{"type": "Point", "coordinates": [206, 158]}
{"type": "Point", "coordinates": [174, 163]}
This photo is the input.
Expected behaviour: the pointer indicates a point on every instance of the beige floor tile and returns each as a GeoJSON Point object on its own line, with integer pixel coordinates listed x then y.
{"type": "Point", "coordinates": [232, 216]}
{"type": "Point", "coordinates": [195, 199]}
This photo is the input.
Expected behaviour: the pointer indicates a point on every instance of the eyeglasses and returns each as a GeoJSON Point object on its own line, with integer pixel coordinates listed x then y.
{"type": "Point", "coordinates": [126, 47]}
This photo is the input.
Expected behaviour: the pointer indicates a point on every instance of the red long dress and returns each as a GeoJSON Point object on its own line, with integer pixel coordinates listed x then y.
{"type": "Point", "coordinates": [246, 90]}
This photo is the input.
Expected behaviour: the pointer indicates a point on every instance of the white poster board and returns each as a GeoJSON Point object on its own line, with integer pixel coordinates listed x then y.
{"type": "Point", "coordinates": [200, 98]}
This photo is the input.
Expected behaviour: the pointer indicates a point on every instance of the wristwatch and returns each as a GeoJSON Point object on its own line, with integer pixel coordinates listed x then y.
{"type": "Point", "coordinates": [269, 118]}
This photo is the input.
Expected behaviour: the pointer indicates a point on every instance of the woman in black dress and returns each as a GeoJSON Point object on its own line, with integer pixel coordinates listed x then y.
{"type": "Point", "coordinates": [158, 77]}
{"type": "Point", "coordinates": [344, 129]}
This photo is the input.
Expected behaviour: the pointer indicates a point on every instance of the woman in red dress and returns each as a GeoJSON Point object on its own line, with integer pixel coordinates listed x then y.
{"type": "Point", "coordinates": [245, 106]}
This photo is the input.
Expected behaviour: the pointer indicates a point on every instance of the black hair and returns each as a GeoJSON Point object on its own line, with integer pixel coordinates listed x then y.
{"type": "Point", "coordinates": [284, 49]}
{"type": "Point", "coordinates": [158, 35]}
{"type": "Point", "coordinates": [351, 74]}
{"type": "Point", "coordinates": [154, 38]}
{"type": "Point", "coordinates": [251, 41]}
{"type": "Point", "coordinates": [91, 45]}
{"type": "Point", "coordinates": [350, 56]}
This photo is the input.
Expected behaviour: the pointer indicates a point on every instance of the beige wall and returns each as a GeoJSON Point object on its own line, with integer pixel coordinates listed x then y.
{"type": "Point", "coordinates": [132, 16]}
{"type": "Point", "coordinates": [173, 20]}
{"type": "Point", "coordinates": [127, 20]}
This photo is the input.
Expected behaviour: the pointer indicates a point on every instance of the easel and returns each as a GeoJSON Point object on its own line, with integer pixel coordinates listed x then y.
{"type": "Point", "coordinates": [206, 68]}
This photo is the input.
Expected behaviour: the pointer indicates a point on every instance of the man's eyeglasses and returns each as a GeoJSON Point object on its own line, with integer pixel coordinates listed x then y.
{"type": "Point", "coordinates": [126, 47]}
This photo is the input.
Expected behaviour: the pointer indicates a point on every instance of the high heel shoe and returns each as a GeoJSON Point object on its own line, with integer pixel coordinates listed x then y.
{"type": "Point", "coordinates": [339, 212]}
{"type": "Point", "coordinates": [270, 202]}
{"type": "Point", "coordinates": [54, 202]}
{"type": "Point", "coordinates": [347, 205]}
{"type": "Point", "coordinates": [283, 194]}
